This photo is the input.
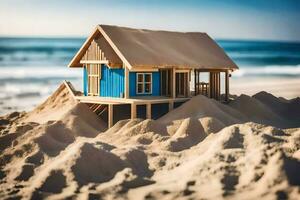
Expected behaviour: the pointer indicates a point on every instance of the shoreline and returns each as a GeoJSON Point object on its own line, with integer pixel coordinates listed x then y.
{"type": "Point", "coordinates": [288, 88]}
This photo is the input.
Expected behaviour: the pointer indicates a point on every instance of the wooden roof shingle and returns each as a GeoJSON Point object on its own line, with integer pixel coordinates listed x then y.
{"type": "Point", "coordinates": [149, 48]}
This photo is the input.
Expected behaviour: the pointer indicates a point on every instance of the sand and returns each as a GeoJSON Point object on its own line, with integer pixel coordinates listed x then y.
{"type": "Point", "coordinates": [247, 149]}
{"type": "Point", "coordinates": [288, 87]}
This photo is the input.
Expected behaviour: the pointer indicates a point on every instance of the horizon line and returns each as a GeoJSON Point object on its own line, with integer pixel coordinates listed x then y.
{"type": "Point", "coordinates": [85, 37]}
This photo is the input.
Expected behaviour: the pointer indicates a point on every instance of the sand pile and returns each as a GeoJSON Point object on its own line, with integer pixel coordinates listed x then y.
{"type": "Point", "coordinates": [25, 146]}
{"type": "Point", "coordinates": [201, 150]}
{"type": "Point", "coordinates": [289, 109]}
{"type": "Point", "coordinates": [265, 108]}
{"type": "Point", "coordinates": [53, 108]}
{"type": "Point", "coordinates": [255, 110]}
{"type": "Point", "coordinates": [200, 107]}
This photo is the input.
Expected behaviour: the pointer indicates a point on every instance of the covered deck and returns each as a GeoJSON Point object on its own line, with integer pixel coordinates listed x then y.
{"type": "Point", "coordinates": [136, 100]}
{"type": "Point", "coordinates": [99, 105]}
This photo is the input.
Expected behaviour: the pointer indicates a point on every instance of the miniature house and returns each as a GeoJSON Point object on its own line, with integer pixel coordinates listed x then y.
{"type": "Point", "coordinates": [136, 67]}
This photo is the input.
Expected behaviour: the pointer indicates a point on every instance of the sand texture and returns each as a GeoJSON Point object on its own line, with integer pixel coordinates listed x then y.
{"type": "Point", "coordinates": [247, 149]}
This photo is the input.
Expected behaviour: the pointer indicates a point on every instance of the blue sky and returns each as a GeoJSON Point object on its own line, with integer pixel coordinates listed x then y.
{"type": "Point", "coordinates": [233, 19]}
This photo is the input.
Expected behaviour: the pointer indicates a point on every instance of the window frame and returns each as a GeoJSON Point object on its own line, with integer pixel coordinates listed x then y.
{"type": "Point", "coordinates": [143, 82]}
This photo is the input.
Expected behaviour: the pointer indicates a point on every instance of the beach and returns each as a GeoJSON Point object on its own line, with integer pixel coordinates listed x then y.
{"type": "Point", "coordinates": [150, 100]}
{"type": "Point", "coordinates": [32, 68]}
{"type": "Point", "coordinates": [288, 88]}
{"type": "Point", "coordinates": [53, 147]}
{"type": "Point", "coordinates": [247, 149]}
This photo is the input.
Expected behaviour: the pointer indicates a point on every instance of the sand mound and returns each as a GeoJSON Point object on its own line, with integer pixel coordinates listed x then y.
{"type": "Point", "coordinates": [53, 108]}
{"type": "Point", "coordinates": [200, 107]}
{"type": "Point", "coordinates": [289, 109]}
{"type": "Point", "coordinates": [233, 163]}
{"type": "Point", "coordinates": [189, 133]}
{"type": "Point", "coordinates": [104, 162]}
{"type": "Point", "coordinates": [82, 121]}
{"type": "Point", "coordinates": [256, 111]}
{"type": "Point", "coordinates": [211, 125]}
{"type": "Point", "coordinates": [201, 150]}
{"type": "Point", "coordinates": [27, 146]}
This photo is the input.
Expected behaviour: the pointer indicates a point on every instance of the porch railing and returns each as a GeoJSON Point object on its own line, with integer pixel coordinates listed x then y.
{"type": "Point", "coordinates": [202, 88]}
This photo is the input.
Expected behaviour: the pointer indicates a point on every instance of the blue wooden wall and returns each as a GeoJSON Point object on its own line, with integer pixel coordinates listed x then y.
{"type": "Point", "coordinates": [155, 84]}
{"type": "Point", "coordinates": [85, 83]}
{"type": "Point", "coordinates": [111, 82]}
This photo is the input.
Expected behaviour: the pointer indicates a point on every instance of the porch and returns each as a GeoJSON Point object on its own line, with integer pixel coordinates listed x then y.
{"type": "Point", "coordinates": [136, 100]}
{"type": "Point", "coordinates": [108, 105]}
{"type": "Point", "coordinates": [100, 105]}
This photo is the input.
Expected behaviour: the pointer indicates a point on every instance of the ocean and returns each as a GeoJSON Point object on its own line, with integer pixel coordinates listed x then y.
{"type": "Point", "coordinates": [32, 68]}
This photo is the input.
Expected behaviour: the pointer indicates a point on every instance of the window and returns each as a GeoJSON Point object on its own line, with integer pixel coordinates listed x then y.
{"type": "Point", "coordinates": [144, 83]}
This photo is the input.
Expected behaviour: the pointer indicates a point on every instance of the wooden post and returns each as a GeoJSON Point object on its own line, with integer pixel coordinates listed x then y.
{"type": "Point", "coordinates": [179, 83]}
{"type": "Point", "coordinates": [195, 82]}
{"type": "Point", "coordinates": [198, 81]}
{"type": "Point", "coordinates": [188, 83]}
{"type": "Point", "coordinates": [226, 86]}
{"type": "Point", "coordinates": [171, 105]}
{"type": "Point", "coordinates": [168, 92]}
{"type": "Point", "coordinates": [133, 110]}
{"type": "Point", "coordinates": [126, 95]}
{"type": "Point", "coordinates": [161, 80]}
{"type": "Point", "coordinates": [174, 84]}
{"type": "Point", "coordinates": [217, 85]}
{"type": "Point", "coordinates": [210, 85]}
{"type": "Point", "coordinates": [148, 111]}
{"type": "Point", "coordinates": [110, 115]}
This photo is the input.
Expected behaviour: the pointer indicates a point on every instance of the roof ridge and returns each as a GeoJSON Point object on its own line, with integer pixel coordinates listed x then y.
{"type": "Point", "coordinates": [152, 30]}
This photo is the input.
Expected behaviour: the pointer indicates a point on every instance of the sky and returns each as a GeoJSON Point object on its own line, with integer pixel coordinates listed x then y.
{"type": "Point", "coordinates": [226, 19]}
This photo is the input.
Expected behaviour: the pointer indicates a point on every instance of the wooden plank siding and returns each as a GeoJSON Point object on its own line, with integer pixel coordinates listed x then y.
{"type": "Point", "coordinates": [93, 78]}
{"type": "Point", "coordinates": [214, 85]}
{"type": "Point", "coordinates": [100, 52]}
{"type": "Point", "coordinates": [112, 83]}
{"type": "Point", "coordinates": [98, 79]}
{"type": "Point", "coordinates": [85, 81]}
{"type": "Point", "coordinates": [93, 53]}
{"type": "Point", "coordinates": [226, 86]}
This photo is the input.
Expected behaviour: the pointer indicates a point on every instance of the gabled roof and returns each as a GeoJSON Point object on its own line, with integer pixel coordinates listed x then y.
{"type": "Point", "coordinates": [148, 48]}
